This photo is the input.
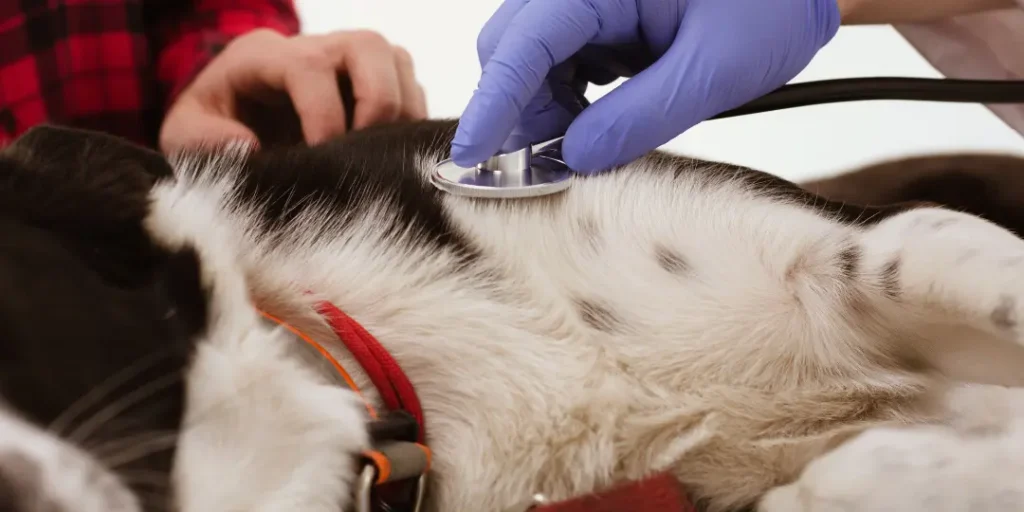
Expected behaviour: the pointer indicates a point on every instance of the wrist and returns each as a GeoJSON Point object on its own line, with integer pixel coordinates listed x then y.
{"type": "Point", "coordinates": [848, 10]}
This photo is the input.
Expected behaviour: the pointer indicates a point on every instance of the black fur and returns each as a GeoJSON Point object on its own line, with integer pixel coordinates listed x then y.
{"type": "Point", "coordinates": [352, 171]}
{"type": "Point", "coordinates": [84, 292]}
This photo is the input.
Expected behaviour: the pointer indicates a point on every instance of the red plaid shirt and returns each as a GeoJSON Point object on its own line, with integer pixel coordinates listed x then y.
{"type": "Point", "coordinates": [114, 65]}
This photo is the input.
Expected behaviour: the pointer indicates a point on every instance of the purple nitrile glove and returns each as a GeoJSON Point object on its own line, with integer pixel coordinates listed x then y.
{"type": "Point", "coordinates": [712, 56]}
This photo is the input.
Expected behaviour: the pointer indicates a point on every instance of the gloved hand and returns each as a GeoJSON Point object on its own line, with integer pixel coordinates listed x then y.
{"type": "Point", "coordinates": [712, 56]}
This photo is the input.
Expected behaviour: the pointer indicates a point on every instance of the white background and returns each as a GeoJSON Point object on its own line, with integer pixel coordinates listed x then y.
{"type": "Point", "coordinates": [796, 144]}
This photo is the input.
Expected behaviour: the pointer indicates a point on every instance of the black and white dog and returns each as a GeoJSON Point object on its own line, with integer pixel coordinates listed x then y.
{"type": "Point", "coordinates": [766, 346]}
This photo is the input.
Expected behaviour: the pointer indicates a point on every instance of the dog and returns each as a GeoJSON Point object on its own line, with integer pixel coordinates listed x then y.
{"type": "Point", "coordinates": [768, 347]}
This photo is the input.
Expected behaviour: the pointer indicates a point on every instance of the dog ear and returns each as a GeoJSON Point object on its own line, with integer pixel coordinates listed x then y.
{"type": "Point", "coordinates": [79, 179]}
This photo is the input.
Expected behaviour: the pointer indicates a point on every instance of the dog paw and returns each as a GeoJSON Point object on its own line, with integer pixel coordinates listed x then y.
{"type": "Point", "coordinates": [925, 468]}
{"type": "Point", "coordinates": [264, 434]}
{"type": "Point", "coordinates": [954, 268]}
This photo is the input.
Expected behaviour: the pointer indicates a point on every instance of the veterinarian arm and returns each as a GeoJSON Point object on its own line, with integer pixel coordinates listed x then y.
{"type": "Point", "coordinates": [220, 50]}
{"type": "Point", "coordinates": [856, 12]}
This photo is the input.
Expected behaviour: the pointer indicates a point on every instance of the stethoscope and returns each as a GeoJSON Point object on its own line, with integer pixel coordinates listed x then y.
{"type": "Point", "coordinates": [538, 169]}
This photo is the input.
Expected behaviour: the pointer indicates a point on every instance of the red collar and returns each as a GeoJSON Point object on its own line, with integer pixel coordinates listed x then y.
{"type": "Point", "coordinates": [395, 389]}
{"type": "Point", "coordinates": [387, 376]}
{"type": "Point", "coordinates": [392, 464]}
{"type": "Point", "coordinates": [660, 492]}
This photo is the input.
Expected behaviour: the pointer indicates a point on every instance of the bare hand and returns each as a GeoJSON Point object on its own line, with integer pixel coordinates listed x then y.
{"type": "Point", "coordinates": [306, 67]}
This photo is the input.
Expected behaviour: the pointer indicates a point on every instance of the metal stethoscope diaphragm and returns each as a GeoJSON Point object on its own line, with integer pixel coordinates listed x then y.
{"type": "Point", "coordinates": [532, 171]}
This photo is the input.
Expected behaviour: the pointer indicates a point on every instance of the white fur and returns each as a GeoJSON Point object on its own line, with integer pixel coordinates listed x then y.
{"type": "Point", "coordinates": [283, 437]}
{"type": "Point", "coordinates": [64, 477]}
{"type": "Point", "coordinates": [734, 361]}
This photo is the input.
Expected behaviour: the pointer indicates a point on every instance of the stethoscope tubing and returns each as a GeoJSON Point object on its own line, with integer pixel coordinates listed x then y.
{"type": "Point", "coordinates": [820, 92]}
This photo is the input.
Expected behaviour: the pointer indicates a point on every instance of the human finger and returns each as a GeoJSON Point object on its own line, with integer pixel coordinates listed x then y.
{"type": "Point", "coordinates": [413, 100]}
{"type": "Point", "coordinates": [368, 60]}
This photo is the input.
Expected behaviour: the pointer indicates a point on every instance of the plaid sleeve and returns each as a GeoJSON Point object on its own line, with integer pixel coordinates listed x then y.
{"type": "Point", "coordinates": [190, 39]}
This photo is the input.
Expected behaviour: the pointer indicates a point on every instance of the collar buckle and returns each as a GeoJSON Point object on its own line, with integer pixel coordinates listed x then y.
{"type": "Point", "coordinates": [365, 498]}
{"type": "Point", "coordinates": [395, 470]}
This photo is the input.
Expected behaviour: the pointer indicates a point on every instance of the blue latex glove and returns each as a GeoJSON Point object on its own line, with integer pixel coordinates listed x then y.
{"type": "Point", "coordinates": [712, 56]}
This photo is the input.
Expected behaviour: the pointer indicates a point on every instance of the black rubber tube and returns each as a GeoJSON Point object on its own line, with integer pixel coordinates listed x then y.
{"type": "Point", "coordinates": [603, 64]}
{"type": "Point", "coordinates": [944, 90]}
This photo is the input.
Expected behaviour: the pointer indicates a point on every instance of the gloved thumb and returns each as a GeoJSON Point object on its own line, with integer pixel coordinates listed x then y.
{"type": "Point", "coordinates": [644, 112]}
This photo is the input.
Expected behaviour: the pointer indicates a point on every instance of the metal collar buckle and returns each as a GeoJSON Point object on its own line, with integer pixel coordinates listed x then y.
{"type": "Point", "coordinates": [395, 457]}
{"type": "Point", "coordinates": [364, 491]}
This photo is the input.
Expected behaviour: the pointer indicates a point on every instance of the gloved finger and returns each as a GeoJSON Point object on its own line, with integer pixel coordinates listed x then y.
{"type": "Point", "coordinates": [495, 27]}
{"type": "Point", "coordinates": [368, 59]}
{"type": "Point", "coordinates": [646, 111]}
{"type": "Point", "coordinates": [541, 35]}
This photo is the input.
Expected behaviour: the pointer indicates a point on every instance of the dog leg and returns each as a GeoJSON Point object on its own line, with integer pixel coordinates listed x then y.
{"type": "Point", "coordinates": [954, 292]}
{"type": "Point", "coordinates": [956, 286]}
{"type": "Point", "coordinates": [264, 434]}
{"type": "Point", "coordinates": [974, 463]}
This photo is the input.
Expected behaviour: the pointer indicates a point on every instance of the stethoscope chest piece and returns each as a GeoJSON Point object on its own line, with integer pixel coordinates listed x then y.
{"type": "Point", "coordinates": [533, 171]}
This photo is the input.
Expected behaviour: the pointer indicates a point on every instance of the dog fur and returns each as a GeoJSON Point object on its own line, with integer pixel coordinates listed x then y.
{"type": "Point", "coordinates": [769, 347]}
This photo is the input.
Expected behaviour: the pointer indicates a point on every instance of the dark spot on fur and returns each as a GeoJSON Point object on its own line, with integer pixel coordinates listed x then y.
{"type": "Point", "coordinates": [589, 232]}
{"type": "Point", "coordinates": [890, 278]}
{"type": "Point", "coordinates": [1004, 316]}
{"type": "Point", "coordinates": [968, 255]}
{"type": "Point", "coordinates": [941, 223]}
{"type": "Point", "coordinates": [1012, 262]}
{"type": "Point", "coordinates": [671, 261]}
{"type": "Point", "coordinates": [849, 261]}
{"type": "Point", "coordinates": [1000, 499]}
{"type": "Point", "coordinates": [597, 316]}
